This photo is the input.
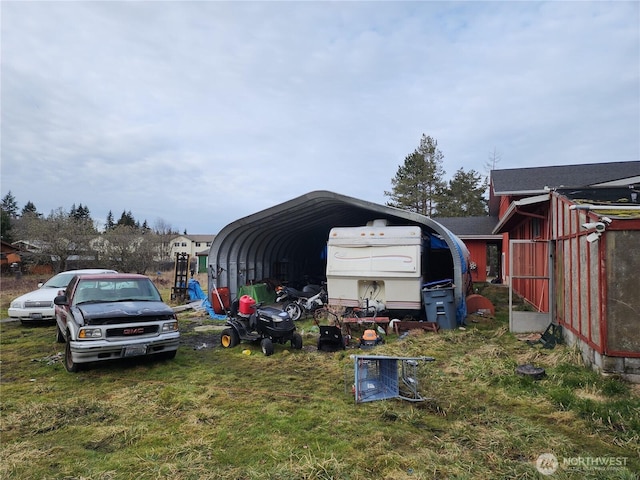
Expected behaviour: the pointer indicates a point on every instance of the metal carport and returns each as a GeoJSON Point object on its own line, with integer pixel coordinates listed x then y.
{"type": "Point", "coordinates": [288, 241]}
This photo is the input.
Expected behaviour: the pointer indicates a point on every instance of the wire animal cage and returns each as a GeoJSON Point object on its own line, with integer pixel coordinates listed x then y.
{"type": "Point", "coordinates": [378, 377]}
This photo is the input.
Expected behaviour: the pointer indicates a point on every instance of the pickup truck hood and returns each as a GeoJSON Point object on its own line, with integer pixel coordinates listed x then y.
{"type": "Point", "coordinates": [124, 312]}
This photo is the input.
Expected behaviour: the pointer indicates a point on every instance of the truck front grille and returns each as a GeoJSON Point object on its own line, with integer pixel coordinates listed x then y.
{"type": "Point", "coordinates": [132, 331]}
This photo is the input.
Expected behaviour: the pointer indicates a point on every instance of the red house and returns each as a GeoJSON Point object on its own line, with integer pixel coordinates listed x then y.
{"type": "Point", "coordinates": [571, 249]}
{"type": "Point", "coordinates": [484, 246]}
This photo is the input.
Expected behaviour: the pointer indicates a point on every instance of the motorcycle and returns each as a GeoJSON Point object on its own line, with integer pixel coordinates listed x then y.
{"type": "Point", "coordinates": [296, 302]}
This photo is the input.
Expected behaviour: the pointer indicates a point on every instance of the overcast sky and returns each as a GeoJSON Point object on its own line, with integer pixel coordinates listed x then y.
{"type": "Point", "coordinates": [201, 113]}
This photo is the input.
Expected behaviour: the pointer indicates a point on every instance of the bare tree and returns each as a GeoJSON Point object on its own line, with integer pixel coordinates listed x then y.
{"type": "Point", "coordinates": [493, 161]}
{"type": "Point", "coordinates": [59, 237]}
{"type": "Point", "coordinates": [128, 249]}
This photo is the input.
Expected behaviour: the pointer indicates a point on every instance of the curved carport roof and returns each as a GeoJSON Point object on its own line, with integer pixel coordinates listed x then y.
{"type": "Point", "coordinates": [293, 236]}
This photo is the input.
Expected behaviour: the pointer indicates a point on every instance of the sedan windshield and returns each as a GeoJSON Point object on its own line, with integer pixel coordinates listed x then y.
{"type": "Point", "coordinates": [59, 281]}
{"type": "Point", "coordinates": [112, 290]}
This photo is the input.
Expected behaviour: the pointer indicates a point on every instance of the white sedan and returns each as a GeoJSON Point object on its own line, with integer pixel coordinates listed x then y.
{"type": "Point", "coordinates": [37, 306]}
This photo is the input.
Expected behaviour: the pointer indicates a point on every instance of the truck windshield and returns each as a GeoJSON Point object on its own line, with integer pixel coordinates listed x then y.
{"type": "Point", "coordinates": [112, 290]}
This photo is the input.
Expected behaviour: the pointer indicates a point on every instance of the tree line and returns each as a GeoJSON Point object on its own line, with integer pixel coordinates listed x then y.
{"type": "Point", "coordinates": [127, 245]}
{"type": "Point", "coordinates": [69, 239]}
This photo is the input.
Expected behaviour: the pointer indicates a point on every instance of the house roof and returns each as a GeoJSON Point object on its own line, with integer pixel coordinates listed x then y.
{"type": "Point", "coordinates": [529, 206]}
{"type": "Point", "coordinates": [197, 237]}
{"type": "Point", "coordinates": [527, 181]}
{"type": "Point", "coordinates": [469, 227]}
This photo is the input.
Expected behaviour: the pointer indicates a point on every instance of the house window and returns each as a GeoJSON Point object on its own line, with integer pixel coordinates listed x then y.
{"type": "Point", "coordinates": [177, 244]}
{"type": "Point", "coordinates": [536, 227]}
{"type": "Point", "coordinates": [197, 244]}
{"type": "Point", "coordinates": [208, 244]}
{"type": "Point", "coordinates": [184, 244]}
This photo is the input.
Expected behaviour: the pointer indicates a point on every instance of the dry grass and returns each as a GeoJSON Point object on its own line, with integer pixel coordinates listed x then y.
{"type": "Point", "coordinates": [220, 414]}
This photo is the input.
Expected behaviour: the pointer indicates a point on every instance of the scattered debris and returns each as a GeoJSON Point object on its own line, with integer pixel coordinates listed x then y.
{"type": "Point", "coordinates": [531, 371]}
{"type": "Point", "coordinates": [51, 359]}
{"type": "Point", "coordinates": [549, 338]}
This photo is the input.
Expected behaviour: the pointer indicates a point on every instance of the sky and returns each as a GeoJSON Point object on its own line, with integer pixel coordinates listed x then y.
{"type": "Point", "coordinates": [197, 114]}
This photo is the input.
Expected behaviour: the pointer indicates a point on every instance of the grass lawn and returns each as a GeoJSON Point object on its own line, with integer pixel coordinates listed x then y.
{"type": "Point", "coordinates": [214, 413]}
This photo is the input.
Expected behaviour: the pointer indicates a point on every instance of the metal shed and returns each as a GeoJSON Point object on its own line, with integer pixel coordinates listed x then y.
{"type": "Point", "coordinates": [288, 241]}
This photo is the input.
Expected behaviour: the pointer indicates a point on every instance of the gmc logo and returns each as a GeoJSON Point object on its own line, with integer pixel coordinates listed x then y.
{"type": "Point", "coordinates": [133, 331]}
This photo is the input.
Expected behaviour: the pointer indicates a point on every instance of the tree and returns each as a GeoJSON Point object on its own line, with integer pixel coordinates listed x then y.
{"type": "Point", "coordinates": [127, 249]}
{"type": "Point", "coordinates": [5, 226]}
{"type": "Point", "coordinates": [110, 223]}
{"type": "Point", "coordinates": [126, 219]}
{"type": "Point", "coordinates": [80, 213]}
{"type": "Point", "coordinates": [30, 209]}
{"type": "Point", "coordinates": [419, 183]}
{"type": "Point", "coordinates": [9, 205]}
{"type": "Point", "coordinates": [493, 160]}
{"type": "Point", "coordinates": [164, 232]}
{"type": "Point", "coordinates": [60, 237]}
{"type": "Point", "coordinates": [464, 195]}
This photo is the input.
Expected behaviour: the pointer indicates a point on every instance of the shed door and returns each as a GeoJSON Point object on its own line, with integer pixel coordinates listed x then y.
{"type": "Point", "coordinates": [530, 277]}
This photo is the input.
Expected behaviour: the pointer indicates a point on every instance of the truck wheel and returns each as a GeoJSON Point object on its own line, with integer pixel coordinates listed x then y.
{"type": "Point", "coordinates": [229, 338]}
{"type": "Point", "coordinates": [296, 341]}
{"type": "Point", "coordinates": [294, 311]}
{"type": "Point", "coordinates": [59, 336]}
{"type": "Point", "coordinates": [267, 346]}
{"type": "Point", "coordinates": [69, 364]}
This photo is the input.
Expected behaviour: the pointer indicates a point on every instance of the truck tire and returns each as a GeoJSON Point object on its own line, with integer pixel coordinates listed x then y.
{"type": "Point", "coordinates": [59, 336]}
{"type": "Point", "coordinates": [69, 364]}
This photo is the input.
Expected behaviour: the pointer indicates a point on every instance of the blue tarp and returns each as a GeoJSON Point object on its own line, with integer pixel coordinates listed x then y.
{"type": "Point", "coordinates": [196, 293]}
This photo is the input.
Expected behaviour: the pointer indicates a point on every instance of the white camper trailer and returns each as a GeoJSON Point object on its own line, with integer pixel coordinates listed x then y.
{"type": "Point", "coordinates": [375, 265]}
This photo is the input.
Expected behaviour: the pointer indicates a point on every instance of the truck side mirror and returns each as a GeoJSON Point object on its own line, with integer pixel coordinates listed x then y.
{"type": "Point", "coordinates": [61, 300]}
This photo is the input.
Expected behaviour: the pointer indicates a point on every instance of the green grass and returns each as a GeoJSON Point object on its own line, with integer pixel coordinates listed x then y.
{"type": "Point", "coordinates": [221, 414]}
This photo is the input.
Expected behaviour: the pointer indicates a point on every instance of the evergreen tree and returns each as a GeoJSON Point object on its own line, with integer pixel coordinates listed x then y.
{"type": "Point", "coordinates": [5, 226]}
{"type": "Point", "coordinates": [419, 183]}
{"type": "Point", "coordinates": [80, 213]}
{"type": "Point", "coordinates": [464, 196]}
{"type": "Point", "coordinates": [110, 223]}
{"type": "Point", "coordinates": [9, 205]}
{"type": "Point", "coordinates": [30, 209]}
{"type": "Point", "coordinates": [126, 219]}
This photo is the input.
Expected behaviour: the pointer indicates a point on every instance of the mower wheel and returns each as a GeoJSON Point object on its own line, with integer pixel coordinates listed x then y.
{"type": "Point", "coordinates": [229, 338]}
{"type": "Point", "coordinates": [267, 346]}
{"type": "Point", "coordinates": [296, 341]}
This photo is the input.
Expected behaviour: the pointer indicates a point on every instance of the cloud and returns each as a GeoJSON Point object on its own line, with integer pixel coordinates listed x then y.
{"type": "Point", "coordinates": [200, 113]}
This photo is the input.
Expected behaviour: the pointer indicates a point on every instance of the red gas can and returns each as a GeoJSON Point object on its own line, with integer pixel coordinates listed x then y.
{"type": "Point", "coordinates": [220, 295]}
{"type": "Point", "coordinates": [246, 305]}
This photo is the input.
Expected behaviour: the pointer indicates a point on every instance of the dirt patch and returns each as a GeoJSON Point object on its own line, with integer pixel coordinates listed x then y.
{"type": "Point", "coordinates": [197, 336]}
